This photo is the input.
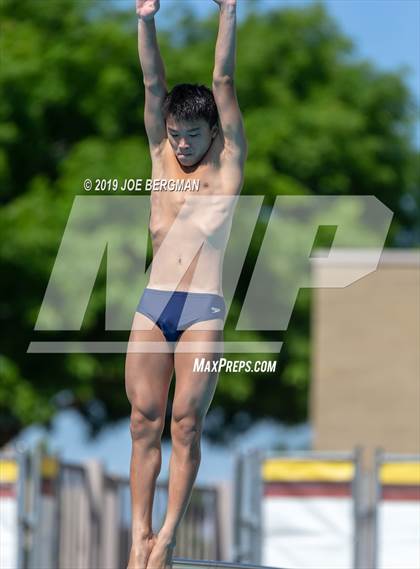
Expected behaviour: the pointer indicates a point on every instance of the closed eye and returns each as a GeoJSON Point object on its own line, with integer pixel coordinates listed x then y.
{"type": "Point", "coordinates": [175, 134]}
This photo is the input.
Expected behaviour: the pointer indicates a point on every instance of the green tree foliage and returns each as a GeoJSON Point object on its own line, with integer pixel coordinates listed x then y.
{"type": "Point", "coordinates": [319, 122]}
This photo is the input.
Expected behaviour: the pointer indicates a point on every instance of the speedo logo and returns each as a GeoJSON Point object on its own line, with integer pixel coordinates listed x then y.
{"type": "Point", "coordinates": [214, 309]}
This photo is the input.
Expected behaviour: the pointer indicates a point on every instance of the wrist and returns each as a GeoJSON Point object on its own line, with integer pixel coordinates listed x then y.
{"type": "Point", "coordinates": [146, 19]}
{"type": "Point", "coordinates": [228, 7]}
{"type": "Point", "coordinates": [227, 4]}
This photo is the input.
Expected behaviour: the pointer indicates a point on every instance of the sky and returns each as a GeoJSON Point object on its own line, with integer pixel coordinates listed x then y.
{"type": "Point", "coordinates": [385, 31]}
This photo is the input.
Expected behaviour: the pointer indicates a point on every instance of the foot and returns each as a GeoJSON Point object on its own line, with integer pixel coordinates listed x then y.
{"type": "Point", "coordinates": [140, 552]}
{"type": "Point", "coordinates": [161, 556]}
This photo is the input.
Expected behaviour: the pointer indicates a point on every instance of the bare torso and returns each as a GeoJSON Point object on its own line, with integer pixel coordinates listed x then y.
{"type": "Point", "coordinates": [189, 229]}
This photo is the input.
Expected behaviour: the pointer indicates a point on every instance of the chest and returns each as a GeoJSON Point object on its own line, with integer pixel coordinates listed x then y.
{"type": "Point", "coordinates": [187, 207]}
{"type": "Point", "coordinates": [205, 180]}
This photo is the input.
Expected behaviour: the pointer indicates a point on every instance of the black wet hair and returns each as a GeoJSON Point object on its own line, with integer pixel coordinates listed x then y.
{"type": "Point", "coordinates": [187, 102]}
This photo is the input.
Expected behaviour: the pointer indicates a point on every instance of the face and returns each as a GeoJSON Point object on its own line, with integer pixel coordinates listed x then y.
{"type": "Point", "coordinates": [189, 140]}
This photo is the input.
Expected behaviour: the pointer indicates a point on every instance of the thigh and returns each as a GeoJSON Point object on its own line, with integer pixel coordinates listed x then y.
{"type": "Point", "coordinates": [148, 374]}
{"type": "Point", "coordinates": [194, 390]}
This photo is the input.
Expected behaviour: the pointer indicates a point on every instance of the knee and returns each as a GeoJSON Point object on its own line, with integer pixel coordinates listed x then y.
{"type": "Point", "coordinates": [186, 430]}
{"type": "Point", "coordinates": [145, 425]}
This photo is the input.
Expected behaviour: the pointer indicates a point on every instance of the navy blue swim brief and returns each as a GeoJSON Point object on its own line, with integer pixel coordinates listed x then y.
{"type": "Point", "coordinates": [175, 311]}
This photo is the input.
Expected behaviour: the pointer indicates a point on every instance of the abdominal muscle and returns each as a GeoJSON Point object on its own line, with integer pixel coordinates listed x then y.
{"type": "Point", "coordinates": [185, 258]}
{"type": "Point", "coordinates": [175, 274]}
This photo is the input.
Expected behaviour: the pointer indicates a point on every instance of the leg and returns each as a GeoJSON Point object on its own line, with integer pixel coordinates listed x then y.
{"type": "Point", "coordinates": [193, 395]}
{"type": "Point", "coordinates": [147, 380]}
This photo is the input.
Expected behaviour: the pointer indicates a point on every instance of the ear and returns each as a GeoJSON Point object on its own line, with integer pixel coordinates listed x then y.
{"type": "Point", "coordinates": [214, 130]}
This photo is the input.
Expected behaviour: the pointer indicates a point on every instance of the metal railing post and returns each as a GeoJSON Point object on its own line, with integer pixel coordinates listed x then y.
{"type": "Point", "coordinates": [256, 502]}
{"type": "Point", "coordinates": [357, 493]}
{"type": "Point", "coordinates": [377, 490]}
{"type": "Point", "coordinates": [22, 459]}
{"type": "Point", "coordinates": [34, 515]}
{"type": "Point", "coordinates": [237, 515]}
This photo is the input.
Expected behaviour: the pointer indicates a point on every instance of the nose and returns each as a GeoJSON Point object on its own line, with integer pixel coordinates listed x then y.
{"type": "Point", "coordinates": [183, 143]}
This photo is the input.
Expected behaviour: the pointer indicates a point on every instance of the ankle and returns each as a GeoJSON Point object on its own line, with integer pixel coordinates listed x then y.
{"type": "Point", "coordinates": [166, 537]}
{"type": "Point", "coordinates": [142, 535]}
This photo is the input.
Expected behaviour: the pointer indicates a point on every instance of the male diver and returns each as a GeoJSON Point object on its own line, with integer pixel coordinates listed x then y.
{"type": "Point", "coordinates": [193, 133]}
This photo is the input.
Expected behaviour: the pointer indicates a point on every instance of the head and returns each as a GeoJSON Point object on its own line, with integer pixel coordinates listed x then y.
{"type": "Point", "coordinates": [191, 117]}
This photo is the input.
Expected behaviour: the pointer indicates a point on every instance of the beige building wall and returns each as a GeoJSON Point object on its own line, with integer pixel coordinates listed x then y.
{"type": "Point", "coordinates": [365, 386]}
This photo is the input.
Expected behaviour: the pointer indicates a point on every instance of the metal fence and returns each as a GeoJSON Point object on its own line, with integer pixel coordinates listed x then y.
{"type": "Point", "coordinates": [57, 515]}
{"type": "Point", "coordinates": [397, 511]}
{"type": "Point", "coordinates": [247, 522]}
{"type": "Point", "coordinates": [365, 489]}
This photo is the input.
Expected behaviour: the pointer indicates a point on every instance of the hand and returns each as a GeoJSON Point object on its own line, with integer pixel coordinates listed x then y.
{"type": "Point", "coordinates": [225, 2]}
{"type": "Point", "coordinates": [146, 9]}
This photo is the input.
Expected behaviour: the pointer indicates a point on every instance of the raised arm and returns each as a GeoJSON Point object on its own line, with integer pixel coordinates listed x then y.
{"type": "Point", "coordinates": [153, 72]}
{"type": "Point", "coordinates": [223, 81]}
